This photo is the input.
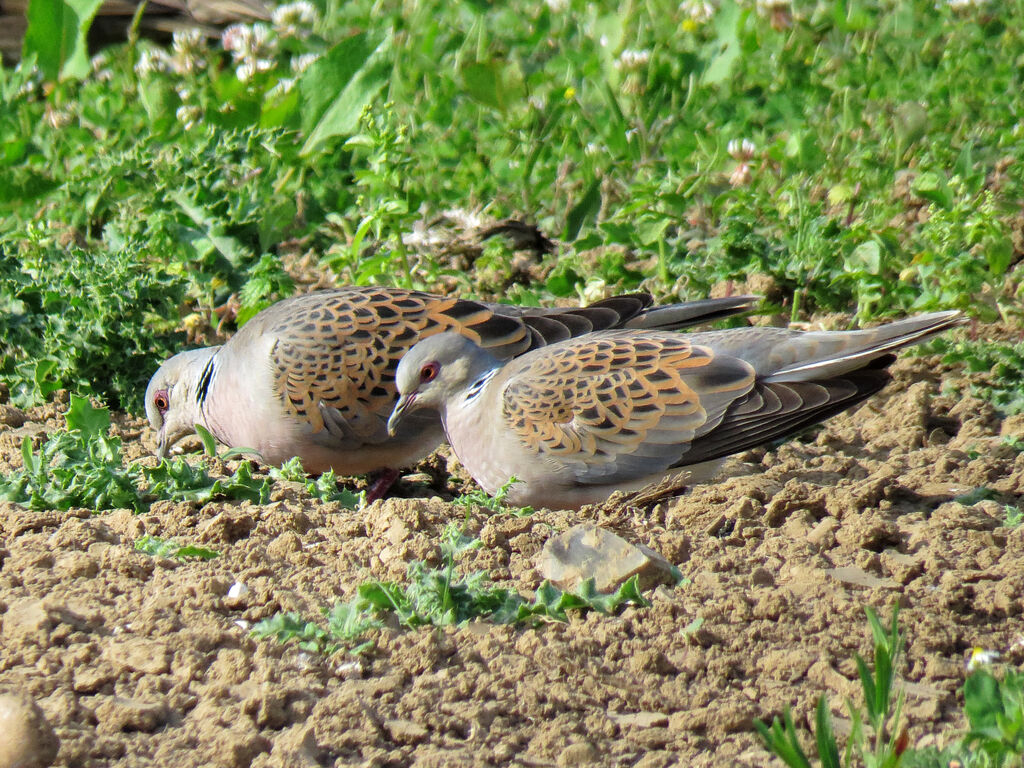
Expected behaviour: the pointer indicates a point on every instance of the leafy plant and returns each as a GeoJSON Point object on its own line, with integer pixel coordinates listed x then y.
{"type": "Point", "coordinates": [324, 487]}
{"type": "Point", "coordinates": [998, 370]}
{"type": "Point", "coordinates": [83, 467]}
{"type": "Point", "coordinates": [440, 597]}
{"type": "Point", "coordinates": [154, 545]}
{"type": "Point", "coordinates": [883, 746]}
{"type": "Point", "coordinates": [496, 503]}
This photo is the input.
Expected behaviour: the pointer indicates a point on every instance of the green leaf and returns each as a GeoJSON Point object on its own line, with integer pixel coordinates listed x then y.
{"type": "Point", "coordinates": [88, 420]}
{"type": "Point", "coordinates": [586, 209]}
{"type": "Point", "coordinates": [727, 49]}
{"type": "Point", "coordinates": [56, 36]}
{"type": "Point", "coordinates": [828, 750]}
{"type": "Point", "coordinates": [497, 84]}
{"type": "Point", "coordinates": [866, 257]}
{"type": "Point", "coordinates": [349, 78]}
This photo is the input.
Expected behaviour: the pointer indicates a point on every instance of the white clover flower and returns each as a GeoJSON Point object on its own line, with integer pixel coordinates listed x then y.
{"type": "Point", "coordinates": [189, 40]}
{"type": "Point", "coordinates": [303, 61]}
{"type": "Point", "coordinates": [245, 71]}
{"type": "Point", "coordinates": [741, 175]}
{"type": "Point", "coordinates": [264, 43]}
{"type": "Point", "coordinates": [238, 39]}
{"type": "Point", "coordinates": [188, 115]}
{"type": "Point", "coordinates": [699, 11]}
{"type": "Point", "coordinates": [294, 19]}
{"type": "Point", "coordinates": [632, 60]}
{"type": "Point", "coordinates": [741, 149]}
{"type": "Point", "coordinates": [284, 85]}
{"type": "Point", "coordinates": [250, 67]}
{"type": "Point", "coordinates": [153, 60]}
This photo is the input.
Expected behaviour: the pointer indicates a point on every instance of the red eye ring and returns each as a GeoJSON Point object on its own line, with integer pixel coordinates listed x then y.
{"type": "Point", "coordinates": [429, 371]}
{"type": "Point", "coordinates": [161, 401]}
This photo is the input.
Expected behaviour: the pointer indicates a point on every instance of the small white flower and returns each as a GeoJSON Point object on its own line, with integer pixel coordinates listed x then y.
{"type": "Point", "coordinates": [593, 149]}
{"type": "Point", "coordinates": [558, 6]}
{"type": "Point", "coordinates": [741, 175]}
{"type": "Point", "coordinates": [248, 68]}
{"type": "Point", "coordinates": [630, 134]}
{"type": "Point", "coordinates": [189, 47]}
{"type": "Point", "coordinates": [188, 115]}
{"type": "Point", "coordinates": [153, 60]}
{"type": "Point", "coordinates": [741, 149]}
{"type": "Point", "coordinates": [303, 61]}
{"type": "Point", "coordinates": [698, 10]}
{"type": "Point", "coordinates": [238, 39]}
{"type": "Point", "coordinates": [294, 19]}
{"type": "Point", "coordinates": [981, 657]}
{"type": "Point", "coordinates": [284, 85]}
{"type": "Point", "coordinates": [963, 6]}
{"type": "Point", "coordinates": [632, 60]}
{"type": "Point", "coordinates": [264, 43]}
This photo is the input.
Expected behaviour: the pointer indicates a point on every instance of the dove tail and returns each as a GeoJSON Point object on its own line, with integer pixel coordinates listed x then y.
{"type": "Point", "coordinates": [822, 355]}
{"type": "Point", "coordinates": [683, 315]}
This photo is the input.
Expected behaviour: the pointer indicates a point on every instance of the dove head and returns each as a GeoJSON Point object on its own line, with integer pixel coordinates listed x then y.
{"type": "Point", "coordinates": [435, 370]}
{"type": "Point", "coordinates": [172, 397]}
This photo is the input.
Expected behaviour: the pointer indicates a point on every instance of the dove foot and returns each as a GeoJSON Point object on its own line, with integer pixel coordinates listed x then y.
{"type": "Point", "coordinates": [381, 483]}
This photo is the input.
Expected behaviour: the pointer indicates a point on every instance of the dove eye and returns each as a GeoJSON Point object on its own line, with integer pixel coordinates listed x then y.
{"type": "Point", "coordinates": [161, 401]}
{"type": "Point", "coordinates": [429, 372]}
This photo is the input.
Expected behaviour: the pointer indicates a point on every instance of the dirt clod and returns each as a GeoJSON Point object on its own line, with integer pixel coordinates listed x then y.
{"type": "Point", "coordinates": [28, 740]}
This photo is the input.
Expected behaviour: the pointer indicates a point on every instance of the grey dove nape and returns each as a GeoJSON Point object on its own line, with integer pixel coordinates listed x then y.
{"type": "Point", "coordinates": [313, 376]}
{"type": "Point", "coordinates": [620, 409]}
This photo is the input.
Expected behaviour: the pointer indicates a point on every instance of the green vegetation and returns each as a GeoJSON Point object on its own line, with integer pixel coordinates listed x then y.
{"type": "Point", "coordinates": [438, 597]}
{"type": "Point", "coordinates": [995, 370]}
{"type": "Point", "coordinates": [854, 156]}
{"type": "Point", "coordinates": [994, 705]}
{"type": "Point", "coordinates": [496, 503]}
{"type": "Point", "coordinates": [154, 545]}
{"type": "Point", "coordinates": [84, 467]}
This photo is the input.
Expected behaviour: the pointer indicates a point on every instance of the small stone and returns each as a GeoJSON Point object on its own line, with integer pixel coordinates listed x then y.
{"type": "Point", "coordinates": [28, 739]}
{"type": "Point", "coordinates": [237, 596]}
{"type": "Point", "coordinates": [586, 551]}
{"type": "Point", "coordinates": [576, 754]}
{"type": "Point", "coordinates": [406, 731]}
{"type": "Point", "coordinates": [640, 719]}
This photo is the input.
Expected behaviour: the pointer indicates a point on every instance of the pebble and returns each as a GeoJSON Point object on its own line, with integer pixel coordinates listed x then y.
{"type": "Point", "coordinates": [29, 741]}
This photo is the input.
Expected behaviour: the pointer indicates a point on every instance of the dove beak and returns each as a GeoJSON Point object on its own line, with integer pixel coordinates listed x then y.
{"type": "Point", "coordinates": [403, 405]}
{"type": "Point", "coordinates": [161, 444]}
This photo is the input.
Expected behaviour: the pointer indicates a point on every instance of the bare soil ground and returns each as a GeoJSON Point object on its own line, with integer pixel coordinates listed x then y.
{"type": "Point", "coordinates": [140, 661]}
